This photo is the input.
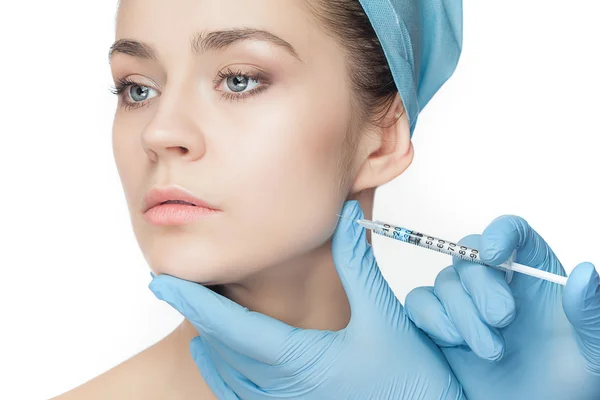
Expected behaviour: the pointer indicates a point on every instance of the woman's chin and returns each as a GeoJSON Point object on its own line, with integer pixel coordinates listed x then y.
{"type": "Point", "coordinates": [200, 269]}
{"type": "Point", "coordinates": [198, 273]}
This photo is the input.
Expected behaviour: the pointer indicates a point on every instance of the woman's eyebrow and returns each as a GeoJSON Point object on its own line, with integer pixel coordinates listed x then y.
{"type": "Point", "coordinates": [214, 41]}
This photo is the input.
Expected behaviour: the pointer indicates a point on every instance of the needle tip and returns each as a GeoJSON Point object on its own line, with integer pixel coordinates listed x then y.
{"type": "Point", "coordinates": [355, 220]}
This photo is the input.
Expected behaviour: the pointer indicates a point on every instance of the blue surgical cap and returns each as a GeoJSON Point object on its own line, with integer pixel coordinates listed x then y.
{"type": "Point", "coordinates": [422, 41]}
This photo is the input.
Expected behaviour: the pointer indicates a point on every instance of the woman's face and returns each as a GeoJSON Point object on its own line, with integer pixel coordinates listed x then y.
{"type": "Point", "coordinates": [266, 152]}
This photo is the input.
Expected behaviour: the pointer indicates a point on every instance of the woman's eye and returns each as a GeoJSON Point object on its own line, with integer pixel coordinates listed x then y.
{"type": "Point", "coordinates": [239, 83]}
{"type": "Point", "coordinates": [138, 93]}
{"type": "Point", "coordinates": [132, 95]}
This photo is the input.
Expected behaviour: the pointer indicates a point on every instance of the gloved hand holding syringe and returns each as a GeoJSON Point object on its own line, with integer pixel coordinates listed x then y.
{"type": "Point", "coordinates": [451, 248]}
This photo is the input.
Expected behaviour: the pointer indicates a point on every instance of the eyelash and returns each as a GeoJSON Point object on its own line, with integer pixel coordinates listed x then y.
{"type": "Point", "coordinates": [123, 84]}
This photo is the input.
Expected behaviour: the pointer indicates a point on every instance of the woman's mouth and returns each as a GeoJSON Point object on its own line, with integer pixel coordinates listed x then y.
{"type": "Point", "coordinates": [174, 205]}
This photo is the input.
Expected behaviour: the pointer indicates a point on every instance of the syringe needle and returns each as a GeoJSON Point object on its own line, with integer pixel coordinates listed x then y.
{"type": "Point", "coordinates": [343, 216]}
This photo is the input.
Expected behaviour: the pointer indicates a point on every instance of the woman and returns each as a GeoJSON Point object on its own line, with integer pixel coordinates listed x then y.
{"type": "Point", "coordinates": [273, 132]}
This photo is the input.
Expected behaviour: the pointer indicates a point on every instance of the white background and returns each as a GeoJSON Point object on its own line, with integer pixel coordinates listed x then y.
{"type": "Point", "coordinates": [514, 131]}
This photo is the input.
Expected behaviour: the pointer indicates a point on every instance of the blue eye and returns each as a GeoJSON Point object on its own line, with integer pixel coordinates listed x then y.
{"type": "Point", "coordinates": [142, 93]}
{"type": "Point", "coordinates": [239, 80]}
{"type": "Point", "coordinates": [121, 87]}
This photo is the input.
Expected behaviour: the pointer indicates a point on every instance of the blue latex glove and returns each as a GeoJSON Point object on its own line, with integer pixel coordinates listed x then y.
{"type": "Point", "coordinates": [380, 355]}
{"type": "Point", "coordinates": [530, 339]}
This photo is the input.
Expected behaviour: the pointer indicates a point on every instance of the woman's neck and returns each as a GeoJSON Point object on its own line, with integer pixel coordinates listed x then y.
{"type": "Point", "coordinates": [306, 293]}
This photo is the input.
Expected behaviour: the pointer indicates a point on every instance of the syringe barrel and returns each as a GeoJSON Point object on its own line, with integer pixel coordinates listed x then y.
{"type": "Point", "coordinates": [428, 241]}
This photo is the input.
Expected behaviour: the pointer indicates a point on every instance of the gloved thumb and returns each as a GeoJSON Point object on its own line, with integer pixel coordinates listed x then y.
{"type": "Point", "coordinates": [581, 303]}
{"type": "Point", "coordinates": [356, 265]}
{"type": "Point", "coordinates": [209, 371]}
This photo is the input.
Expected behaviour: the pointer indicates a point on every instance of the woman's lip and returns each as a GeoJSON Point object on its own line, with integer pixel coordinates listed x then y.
{"type": "Point", "coordinates": [158, 195]}
{"type": "Point", "coordinates": [176, 214]}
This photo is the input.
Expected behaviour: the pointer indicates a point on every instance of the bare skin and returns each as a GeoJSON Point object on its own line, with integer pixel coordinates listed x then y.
{"type": "Point", "coordinates": [271, 162]}
{"type": "Point", "coordinates": [165, 370]}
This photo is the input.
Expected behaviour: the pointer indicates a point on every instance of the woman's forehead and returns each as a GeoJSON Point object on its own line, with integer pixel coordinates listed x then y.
{"type": "Point", "coordinates": [150, 26]}
{"type": "Point", "coordinates": [218, 11]}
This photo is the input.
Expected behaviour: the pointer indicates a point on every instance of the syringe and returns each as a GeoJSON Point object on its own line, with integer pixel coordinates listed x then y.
{"type": "Point", "coordinates": [453, 249]}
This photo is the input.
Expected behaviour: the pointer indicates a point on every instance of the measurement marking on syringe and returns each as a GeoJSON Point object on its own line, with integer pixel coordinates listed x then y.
{"type": "Point", "coordinates": [438, 249]}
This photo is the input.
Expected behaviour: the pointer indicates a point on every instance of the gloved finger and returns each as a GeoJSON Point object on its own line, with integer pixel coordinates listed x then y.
{"type": "Point", "coordinates": [486, 286]}
{"type": "Point", "coordinates": [251, 333]}
{"type": "Point", "coordinates": [425, 310]}
{"type": "Point", "coordinates": [357, 268]}
{"type": "Point", "coordinates": [485, 341]}
{"type": "Point", "coordinates": [581, 303]}
{"type": "Point", "coordinates": [209, 371]}
{"type": "Point", "coordinates": [508, 233]}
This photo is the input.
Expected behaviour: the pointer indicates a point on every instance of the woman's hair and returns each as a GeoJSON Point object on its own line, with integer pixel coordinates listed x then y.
{"type": "Point", "coordinates": [370, 76]}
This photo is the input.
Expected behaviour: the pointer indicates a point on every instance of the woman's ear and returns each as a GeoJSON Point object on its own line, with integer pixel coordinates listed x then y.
{"type": "Point", "coordinates": [389, 148]}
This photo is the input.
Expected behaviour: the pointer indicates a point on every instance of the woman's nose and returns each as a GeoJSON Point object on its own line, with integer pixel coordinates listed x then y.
{"type": "Point", "coordinates": [173, 133]}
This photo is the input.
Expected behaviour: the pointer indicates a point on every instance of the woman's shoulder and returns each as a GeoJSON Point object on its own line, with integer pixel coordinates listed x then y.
{"type": "Point", "coordinates": [165, 370]}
